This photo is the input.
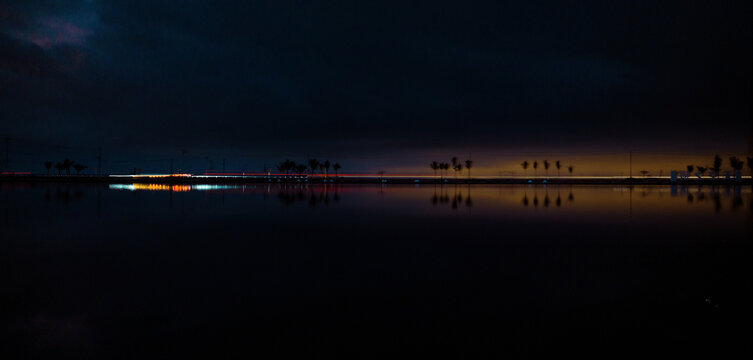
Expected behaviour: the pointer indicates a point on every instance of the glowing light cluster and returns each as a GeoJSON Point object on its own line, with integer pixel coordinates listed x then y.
{"type": "Point", "coordinates": [168, 187]}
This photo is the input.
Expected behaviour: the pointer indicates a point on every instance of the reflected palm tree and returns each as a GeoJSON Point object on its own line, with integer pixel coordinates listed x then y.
{"type": "Point", "coordinates": [535, 201]}
{"type": "Point", "coordinates": [717, 201]}
{"type": "Point", "coordinates": [737, 201]}
{"type": "Point", "coordinates": [525, 200]}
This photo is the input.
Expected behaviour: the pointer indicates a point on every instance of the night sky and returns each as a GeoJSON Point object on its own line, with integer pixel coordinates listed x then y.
{"type": "Point", "coordinates": [373, 84]}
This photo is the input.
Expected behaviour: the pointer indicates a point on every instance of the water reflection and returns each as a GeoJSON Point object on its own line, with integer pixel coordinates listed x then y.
{"type": "Point", "coordinates": [442, 196]}
{"type": "Point", "coordinates": [152, 258]}
{"type": "Point", "coordinates": [718, 198]}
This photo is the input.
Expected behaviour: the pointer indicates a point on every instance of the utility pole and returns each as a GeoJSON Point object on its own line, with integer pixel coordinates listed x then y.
{"type": "Point", "coordinates": [7, 142]}
{"type": "Point", "coordinates": [99, 160]}
{"type": "Point", "coordinates": [631, 164]}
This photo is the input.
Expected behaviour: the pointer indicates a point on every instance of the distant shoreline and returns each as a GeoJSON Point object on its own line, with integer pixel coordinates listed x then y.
{"type": "Point", "coordinates": [368, 180]}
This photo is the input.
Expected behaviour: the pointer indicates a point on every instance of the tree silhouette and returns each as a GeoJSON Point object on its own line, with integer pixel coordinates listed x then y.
{"type": "Point", "coordinates": [524, 165]}
{"type": "Point", "coordinates": [326, 166]}
{"type": "Point", "coordinates": [468, 165]}
{"type": "Point", "coordinates": [67, 163]}
{"type": "Point", "coordinates": [535, 168]}
{"type": "Point", "coordinates": [59, 167]}
{"type": "Point", "coordinates": [701, 169]}
{"type": "Point", "coordinates": [546, 168]}
{"type": "Point", "coordinates": [558, 165]}
{"type": "Point", "coordinates": [690, 169]}
{"type": "Point", "coordinates": [458, 169]}
{"type": "Point", "coordinates": [454, 161]}
{"type": "Point", "coordinates": [444, 166]}
{"type": "Point", "coordinates": [434, 166]}
{"type": "Point", "coordinates": [300, 168]}
{"type": "Point", "coordinates": [750, 164]}
{"type": "Point", "coordinates": [736, 164]}
{"type": "Point", "coordinates": [570, 169]}
{"type": "Point", "coordinates": [644, 173]}
{"type": "Point", "coordinates": [48, 165]}
{"type": "Point", "coordinates": [313, 165]}
{"type": "Point", "coordinates": [79, 168]}
{"type": "Point", "coordinates": [336, 167]}
{"type": "Point", "coordinates": [717, 165]}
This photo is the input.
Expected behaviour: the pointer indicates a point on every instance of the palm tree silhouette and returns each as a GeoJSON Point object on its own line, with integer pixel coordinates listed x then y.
{"type": "Point", "coordinates": [59, 167]}
{"type": "Point", "coordinates": [434, 166]}
{"type": "Point", "coordinates": [454, 161]}
{"type": "Point", "coordinates": [326, 166]}
{"type": "Point", "coordinates": [336, 167]}
{"type": "Point", "coordinates": [524, 164]}
{"type": "Point", "coordinates": [79, 168]}
{"type": "Point", "coordinates": [444, 166]}
{"type": "Point", "coordinates": [717, 165]}
{"type": "Point", "coordinates": [458, 169]}
{"type": "Point", "coordinates": [690, 169]}
{"type": "Point", "coordinates": [313, 165]}
{"type": "Point", "coordinates": [48, 165]}
{"type": "Point", "coordinates": [736, 164]}
{"type": "Point", "coordinates": [546, 168]}
{"type": "Point", "coordinates": [67, 163]}
{"type": "Point", "coordinates": [468, 165]}
{"type": "Point", "coordinates": [535, 168]}
{"type": "Point", "coordinates": [750, 164]}
{"type": "Point", "coordinates": [300, 168]}
{"type": "Point", "coordinates": [558, 165]}
{"type": "Point", "coordinates": [701, 170]}
{"type": "Point", "coordinates": [570, 169]}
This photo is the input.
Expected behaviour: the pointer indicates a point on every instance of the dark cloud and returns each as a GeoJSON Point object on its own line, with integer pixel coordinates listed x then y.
{"type": "Point", "coordinates": [359, 76]}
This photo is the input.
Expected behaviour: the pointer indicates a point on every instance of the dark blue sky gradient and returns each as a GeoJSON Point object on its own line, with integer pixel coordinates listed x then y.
{"type": "Point", "coordinates": [266, 80]}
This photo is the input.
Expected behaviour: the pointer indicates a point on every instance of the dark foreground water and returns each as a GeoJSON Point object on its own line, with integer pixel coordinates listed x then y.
{"type": "Point", "coordinates": [133, 271]}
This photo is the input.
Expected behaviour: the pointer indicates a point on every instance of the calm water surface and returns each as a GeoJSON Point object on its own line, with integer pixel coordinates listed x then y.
{"type": "Point", "coordinates": [363, 271]}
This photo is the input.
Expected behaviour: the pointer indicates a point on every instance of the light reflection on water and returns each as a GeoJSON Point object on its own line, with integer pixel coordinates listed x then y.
{"type": "Point", "coordinates": [468, 266]}
{"type": "Point", "coordinates": [598, 198]}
